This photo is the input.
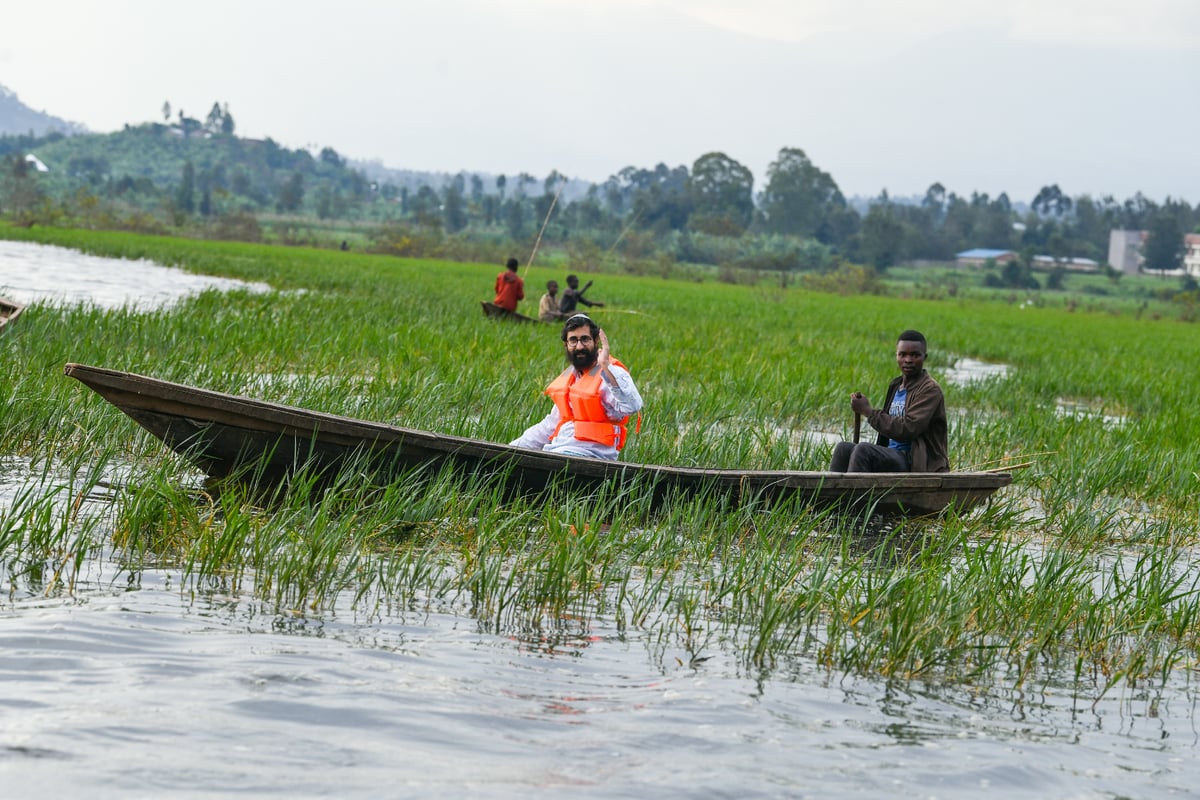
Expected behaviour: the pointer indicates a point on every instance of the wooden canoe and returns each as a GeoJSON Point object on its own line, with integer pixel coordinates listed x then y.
{"type": "Point", "coordinates": [227, 435]}
{"type": "Point", "coordinates": [9, 311]}
{"type": "Point", "coordinates": [496, 312]}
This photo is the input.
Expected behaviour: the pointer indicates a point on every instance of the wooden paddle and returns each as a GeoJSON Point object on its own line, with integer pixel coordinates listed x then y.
{"type": "Point", "coordinates": [857, 427]}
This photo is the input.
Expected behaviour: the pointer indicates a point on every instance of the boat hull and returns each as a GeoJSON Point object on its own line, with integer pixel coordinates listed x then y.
{"type": "Point", "coordinates": [496, 312]}
{"type": "Point", "coordinates": [9, 311]}
{"type": "Point", "coordinates": [228, 436]}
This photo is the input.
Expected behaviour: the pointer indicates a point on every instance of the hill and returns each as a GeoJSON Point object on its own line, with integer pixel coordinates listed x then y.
{"type": "Point", "coordinates": [18, 119]}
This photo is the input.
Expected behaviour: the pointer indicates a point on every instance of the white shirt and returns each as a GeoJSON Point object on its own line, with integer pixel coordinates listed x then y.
{"type": "Point", "coordinates": [619, 400]}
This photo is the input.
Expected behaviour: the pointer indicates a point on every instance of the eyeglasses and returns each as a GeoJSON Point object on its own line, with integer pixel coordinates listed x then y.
{"type": "Point", "coordinates": [575, 341]}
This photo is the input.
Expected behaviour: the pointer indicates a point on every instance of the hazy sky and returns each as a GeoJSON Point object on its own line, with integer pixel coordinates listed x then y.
{"type": "Point", "coordinates": [1098, 96]}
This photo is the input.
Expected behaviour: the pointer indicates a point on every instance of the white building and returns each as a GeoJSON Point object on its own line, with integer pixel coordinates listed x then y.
{"type": "Point", "coordinates": [1125, 251]}
{"type": "Point", "coordinates": [1191, 258]}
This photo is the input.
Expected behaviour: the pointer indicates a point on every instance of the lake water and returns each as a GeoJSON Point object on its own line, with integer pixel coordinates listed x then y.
{"type": "Point", "coordinates": [143, 686]}
{"type": "Point", "coordinates": [37, 273]}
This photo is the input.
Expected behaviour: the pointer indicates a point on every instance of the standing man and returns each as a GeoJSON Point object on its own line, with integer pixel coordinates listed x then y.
{"type": "Point", "coordinates": [548, 310]}
{"type": "Point", "coordinates": [912, 430]}
{"type": "Point", "coordinates": [574, 295]}
{"type": "Point", "coordinates": [510, 287]}
{"type": "Point", "coordinates": [593, 399]}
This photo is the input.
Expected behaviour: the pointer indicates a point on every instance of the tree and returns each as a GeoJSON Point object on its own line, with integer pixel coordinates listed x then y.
{"type": "Point", "coordinates": [185, 197]}
{"type": "Point", "coordinates": [882, 237]}
{"type": "Point", "coordinates": [721, 191]}
{"type": "Point", "coordinates": [935, 201]}
{"type": "Point", "coordinates": [453, 207]}
{"type": "Point", "coordinates": [166, 111]}
{"type": "Point", "coordinates": [552, 182]}
{"type": "Point", "coordinates": [330, 156]}
{"type": "Point", "coordinates": [324, 203]}
{"type": "Point", "coordinates": [21, 193]}
{"type": "Point", "coordinates": [800, 199]}
{"type": "Point", "coordinates": [524, 179]}
{"type": "Point", "coordinates": [1057, 278]}
{"type": "Point", "coordinates": [427, 207]}
{"type": "Point", "coordinates": [291, 194]}
{"type": "Point", "coordinates": [1050, 201]}
{"type": "Point", "coordinates": [658, 198]}
{"type": "Point", "coordinates": [212, 123]}
{"type": "Point", "coordinates": [514, 217]}
{"type": "Point", "coordinates": [1164, 248]}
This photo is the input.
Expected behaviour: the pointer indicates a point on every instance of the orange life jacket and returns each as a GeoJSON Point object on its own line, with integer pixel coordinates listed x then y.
{"type": "Point", "coordinates": [578, 401]}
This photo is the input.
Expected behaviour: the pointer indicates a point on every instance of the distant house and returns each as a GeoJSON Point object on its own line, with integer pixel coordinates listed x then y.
{"type": "Point", "coordinates": [1125, 251]}
{"type": "Point", "coordinates": [36, 163]}
{"type": "Point", "coordinates": [1072, 264]}
{"type": "Point", "coordinates": [1191, 258]}
{"type": "Point", "coordinates": [981, 255]}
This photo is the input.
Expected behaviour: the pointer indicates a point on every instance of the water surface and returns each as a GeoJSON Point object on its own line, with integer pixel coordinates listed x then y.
{"type": "Point", "coordinates": [39, 273]}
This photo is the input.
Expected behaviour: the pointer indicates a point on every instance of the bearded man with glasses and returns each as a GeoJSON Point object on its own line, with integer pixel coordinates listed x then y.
{"type": "Point", "coordinates": [593, 398]}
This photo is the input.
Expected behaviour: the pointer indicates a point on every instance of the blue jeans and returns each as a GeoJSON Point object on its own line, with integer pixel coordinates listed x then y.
{"type": "Point", "coordinates": [867, 457]}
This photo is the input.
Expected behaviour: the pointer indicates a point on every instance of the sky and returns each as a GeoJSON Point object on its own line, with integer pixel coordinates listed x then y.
{"type": "Point", "coordinates": [1101, 97]}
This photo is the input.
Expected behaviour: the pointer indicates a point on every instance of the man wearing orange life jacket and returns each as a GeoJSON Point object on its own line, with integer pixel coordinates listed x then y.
{"type": "Point", "coordinates": [593, 398]}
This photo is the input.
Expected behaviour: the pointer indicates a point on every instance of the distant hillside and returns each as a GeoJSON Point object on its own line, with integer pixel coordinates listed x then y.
{"type": "Point", "coordinates": [18, 119]}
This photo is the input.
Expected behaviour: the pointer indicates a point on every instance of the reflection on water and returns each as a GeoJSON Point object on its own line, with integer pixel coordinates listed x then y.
{"type": "Point", "coordinates": [145, 685]}
{"type": "Point", "coordinates": [1078, 410]}
{"type": "Point", "coordinates": [31, 272]}
{"type": "Point", "coordinates": [969, 370]}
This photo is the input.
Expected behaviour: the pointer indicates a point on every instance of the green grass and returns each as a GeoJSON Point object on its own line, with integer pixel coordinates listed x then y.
{"type": "Point", "coordinates": [1078, 575]}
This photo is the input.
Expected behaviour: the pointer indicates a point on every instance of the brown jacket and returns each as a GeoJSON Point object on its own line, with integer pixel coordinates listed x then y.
{"type": "Point", "coordinates": [923, 424]}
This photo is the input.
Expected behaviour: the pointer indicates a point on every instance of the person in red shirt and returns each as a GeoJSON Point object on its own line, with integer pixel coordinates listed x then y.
{"type": "Point", "coordinates": [510, 288]}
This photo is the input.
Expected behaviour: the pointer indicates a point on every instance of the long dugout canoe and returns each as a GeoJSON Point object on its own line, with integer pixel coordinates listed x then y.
{"type": "Point", "coordinates": [227, 435]}
{"type": "Point", "coordinates": [496, 312]}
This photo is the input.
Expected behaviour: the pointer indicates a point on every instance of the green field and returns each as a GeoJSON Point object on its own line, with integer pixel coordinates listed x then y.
{"type": "Point", "coordinates": [1079, 573]}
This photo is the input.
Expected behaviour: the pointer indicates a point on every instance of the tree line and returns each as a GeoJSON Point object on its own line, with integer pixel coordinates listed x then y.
{"type": "Point", "coordinates": [195, 172]}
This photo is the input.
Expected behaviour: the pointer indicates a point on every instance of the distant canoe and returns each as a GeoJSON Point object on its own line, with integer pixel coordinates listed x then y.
{"type": "Point", "coordinates": [496, 312]}
{"type": "Point", "coordinates": [9, 311]}
{"type": "Point", "coordinates": [264, 443]}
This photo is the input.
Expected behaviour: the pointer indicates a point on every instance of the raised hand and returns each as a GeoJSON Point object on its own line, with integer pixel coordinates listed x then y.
{"type": "Point", "coordinates": [603, 355]}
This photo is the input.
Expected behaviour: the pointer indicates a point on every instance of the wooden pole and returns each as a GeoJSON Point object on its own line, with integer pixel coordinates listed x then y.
{"type": "Point", "coordinates": [549, 211]}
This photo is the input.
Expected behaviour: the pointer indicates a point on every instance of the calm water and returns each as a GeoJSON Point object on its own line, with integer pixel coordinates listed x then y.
{"type": "Point", "coordinates": [37, 273]}
{"type": "Point", "coordinates": [138, 686]}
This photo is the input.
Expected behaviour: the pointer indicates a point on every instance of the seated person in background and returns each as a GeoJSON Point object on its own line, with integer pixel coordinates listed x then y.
{"type": "Point", "coordinates": [593, 398]}
{"type": "Point", "coordinates": [510, 288]}
{"type": "Point", "coordinates": [548, 310]}
{"type": "Point", "coordinates": [574, 295]}
{"type": "Point", "coordinates": [912, 431]}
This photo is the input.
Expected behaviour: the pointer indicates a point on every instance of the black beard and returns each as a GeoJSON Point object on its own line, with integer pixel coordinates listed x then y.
{"type": "Point", "coordinates": [582, 359]}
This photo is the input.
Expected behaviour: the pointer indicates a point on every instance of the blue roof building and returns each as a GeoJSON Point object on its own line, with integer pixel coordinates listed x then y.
{"type": "Point", "coordinates": [981, 255]}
